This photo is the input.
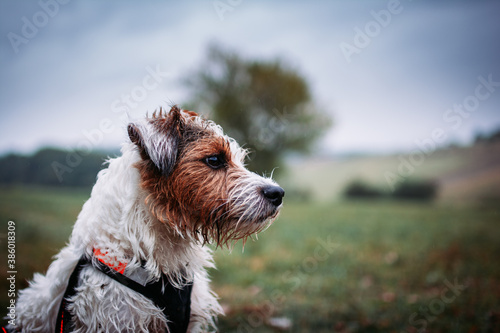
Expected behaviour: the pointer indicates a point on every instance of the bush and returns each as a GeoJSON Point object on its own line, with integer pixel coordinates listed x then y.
{"type": "Point", "coordinates": [424, 190]}
{"type": "Point", "coordinates": [358, 189]}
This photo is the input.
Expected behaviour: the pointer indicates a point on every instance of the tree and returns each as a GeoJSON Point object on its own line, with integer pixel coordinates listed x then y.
{"type": "Point", "coordinates": [77, 168]}
{"type": "Point", "coordinates": [265, 105]}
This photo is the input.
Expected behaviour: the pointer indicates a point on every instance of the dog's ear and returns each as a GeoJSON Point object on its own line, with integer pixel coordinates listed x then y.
{"type": "Point", "coordinates": [136, 137]}
{"type": "Point", "coordinates": [158, 139]}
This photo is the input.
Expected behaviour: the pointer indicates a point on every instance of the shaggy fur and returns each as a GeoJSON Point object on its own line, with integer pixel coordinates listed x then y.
{"type": "Point", "coordinates": [179, 184]}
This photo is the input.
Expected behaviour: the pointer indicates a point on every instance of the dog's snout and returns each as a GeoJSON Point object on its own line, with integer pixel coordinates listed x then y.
{"type": "Point", "coordinates": [274, 194]}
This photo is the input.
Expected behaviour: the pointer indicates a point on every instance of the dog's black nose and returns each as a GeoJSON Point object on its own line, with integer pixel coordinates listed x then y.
{"type": "Point", "coordinates": [274, 194]}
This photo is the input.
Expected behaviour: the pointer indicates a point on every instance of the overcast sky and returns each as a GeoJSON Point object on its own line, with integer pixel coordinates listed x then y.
{"type": "Point", "coordinates": [390, 73]}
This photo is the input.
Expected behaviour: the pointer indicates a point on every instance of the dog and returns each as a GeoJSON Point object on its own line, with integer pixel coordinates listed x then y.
{"type": "Point", "coordinates": [137, 258]}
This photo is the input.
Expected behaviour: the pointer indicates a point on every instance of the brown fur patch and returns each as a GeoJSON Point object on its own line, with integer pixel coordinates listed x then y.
{"type": "Point", "coordinates": [193, 199]}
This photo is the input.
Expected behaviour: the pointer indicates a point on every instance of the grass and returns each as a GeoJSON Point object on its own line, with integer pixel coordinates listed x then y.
{"type": "Point", "coordinates": [343, 267]}
{"type": "Point", "coordinates": [389, 260]}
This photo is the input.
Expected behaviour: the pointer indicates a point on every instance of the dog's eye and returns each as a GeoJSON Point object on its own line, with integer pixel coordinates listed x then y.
{"type": "Point", "coordinates": [215, 161]}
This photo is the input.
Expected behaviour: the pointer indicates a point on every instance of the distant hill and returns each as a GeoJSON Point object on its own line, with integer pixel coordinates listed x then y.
{"type": "Point", "coordinates": [463, 173]}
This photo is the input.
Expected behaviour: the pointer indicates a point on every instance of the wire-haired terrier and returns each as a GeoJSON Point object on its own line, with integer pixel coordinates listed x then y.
{"type": "Point", "coordinates": [137, 260]}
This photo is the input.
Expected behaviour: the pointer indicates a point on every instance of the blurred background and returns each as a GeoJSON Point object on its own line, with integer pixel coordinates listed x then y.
{"type": "Point", "coordinates": [380, 119]}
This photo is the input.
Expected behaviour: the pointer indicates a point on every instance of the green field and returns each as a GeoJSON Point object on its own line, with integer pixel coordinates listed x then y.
{"type": "Point", "coordinates": [342, 267]}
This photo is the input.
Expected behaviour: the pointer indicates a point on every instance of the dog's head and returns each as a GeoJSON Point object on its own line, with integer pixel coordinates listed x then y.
{"type": "Point", "coordinates": [196, 180]}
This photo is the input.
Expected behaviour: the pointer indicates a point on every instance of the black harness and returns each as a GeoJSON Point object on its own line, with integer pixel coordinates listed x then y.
{"type": "Point", "coordinates": [174, 302]}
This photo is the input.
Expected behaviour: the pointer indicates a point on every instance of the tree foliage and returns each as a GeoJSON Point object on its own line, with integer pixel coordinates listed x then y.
{"type": "Point", "coordinates": [265, 105]}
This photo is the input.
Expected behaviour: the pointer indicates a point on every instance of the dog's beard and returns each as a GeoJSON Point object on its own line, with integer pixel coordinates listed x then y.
{"type": "Point", "coordinates": [238, 220]}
